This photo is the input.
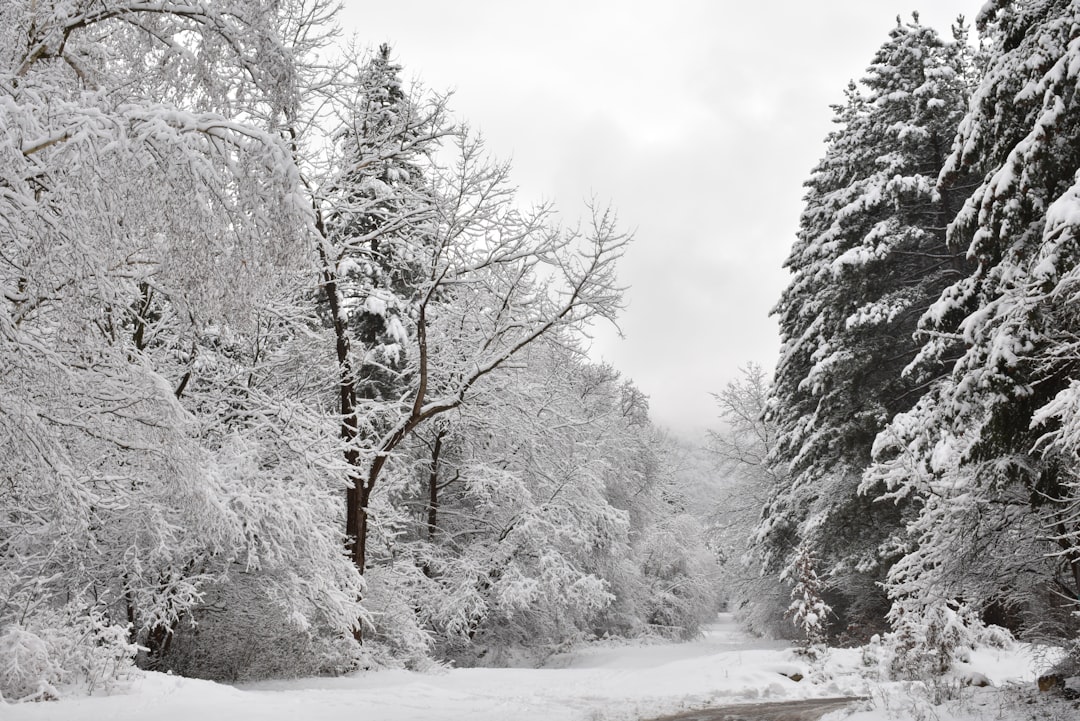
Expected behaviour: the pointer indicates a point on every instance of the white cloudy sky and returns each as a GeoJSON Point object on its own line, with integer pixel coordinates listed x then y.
{"type": "Point", "coordinates": [698, 120]}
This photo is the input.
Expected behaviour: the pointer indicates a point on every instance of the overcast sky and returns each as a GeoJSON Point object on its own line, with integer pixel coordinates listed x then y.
{"type": "Point", "coordinates": [698, 120]}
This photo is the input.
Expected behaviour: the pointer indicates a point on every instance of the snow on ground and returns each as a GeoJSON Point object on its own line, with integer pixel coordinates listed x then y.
{"type": "Point", "coordinates": [991, 684]}
{"type": "Point", "coordinates": [599, 683]}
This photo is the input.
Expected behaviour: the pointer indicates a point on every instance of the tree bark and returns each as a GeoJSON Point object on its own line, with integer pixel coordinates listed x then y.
{"type": "Point", "coordinates": [356, 494]}
{"type": "Point", "coordinates": [433, 489]}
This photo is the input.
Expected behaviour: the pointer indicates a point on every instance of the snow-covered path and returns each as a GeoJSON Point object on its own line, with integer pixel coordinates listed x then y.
{"type": "Point", "coordinates": [811, 709]}
{"type": "Point", "coordinates": [613, 683]}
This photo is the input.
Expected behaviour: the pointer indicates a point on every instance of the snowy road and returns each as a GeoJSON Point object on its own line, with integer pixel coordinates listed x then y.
{"type": "Point", "coordinates": [610, 683]}
{"type": "Point", "coordinates": [807, 710]}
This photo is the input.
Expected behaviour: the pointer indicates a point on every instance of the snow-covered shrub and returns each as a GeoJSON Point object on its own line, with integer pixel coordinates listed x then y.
{"type": "Point", "coordinates": [680, 577]}
{"type": "Point", "coordinates": [27, 671]}
{"type": "Point", "coordinates": [75, 646]}
{"type": "Point", "coordinates": [93, 650]}
{"type": "Point", "coordinates": [395, 635]}
{"type": "Point", "coordinates": [247, 629]}
{"type": "Point", "coordinates": [624, 616]}
{"type": "Point", "coordinates": [927, 642]}
{"type": "Point", "coordinates": [808, 610]}
{"type": "Point", "coordinates": [527, 608]}
{"type": "Point", "coordinates": [760, 604]}
{"type": "Point", "coordinates": [872, 656]}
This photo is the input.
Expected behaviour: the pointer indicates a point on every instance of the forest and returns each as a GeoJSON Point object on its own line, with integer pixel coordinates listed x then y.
{"type": "Point", "coordinates": [922, 427]}
{"type": "Point", "coordinates": [293, 383]}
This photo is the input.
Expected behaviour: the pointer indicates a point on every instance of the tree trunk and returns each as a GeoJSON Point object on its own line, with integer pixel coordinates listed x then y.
{"type": "Point", "coordinates": [356, 495]}
{"type": "Point", "coordinates": [433, 489]}
{"type": "Point", "coordinates": [359, 548]}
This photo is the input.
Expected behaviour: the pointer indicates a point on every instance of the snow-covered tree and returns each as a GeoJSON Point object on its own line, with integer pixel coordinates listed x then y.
{"type": "Point", "coordinates": [808, 610]}
{"type": "Point", "coordinates": [680, 580]}
{"type": "Point", "coordinates": [377, 218]}
{"type": "Point", "coordinates": [741, 449]}
{"type": "Point", "coordinates": [480, 279]}
{"type": "Point", "coordinates": [153, 247]}
{"type": "Point", "coordinates": [533, 517]}
{"type": "Point", "coordinates": [526, 521]}
{"type": "Point", "coordinates": [237, 286]}
{"type": "Point", "coordinates": [990, 454]}
{"type": "Point", "coordinates": [869, 259]}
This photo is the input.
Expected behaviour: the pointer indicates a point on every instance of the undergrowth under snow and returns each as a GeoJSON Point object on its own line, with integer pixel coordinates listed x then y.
{"type": "Point", "coordinates": [599, 683]}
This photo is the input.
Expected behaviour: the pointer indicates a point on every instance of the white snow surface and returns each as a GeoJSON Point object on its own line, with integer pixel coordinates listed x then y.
{"type": "Point", "coordinates": [604, 682]}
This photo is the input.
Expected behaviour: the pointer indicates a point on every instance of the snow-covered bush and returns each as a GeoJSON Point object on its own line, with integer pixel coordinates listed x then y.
{"type": "Point", "coordinates": [248, 628]}
{"type": "Point", "coordinates": [27, 669]}
{"type": "Point", "coordinates": [808, 610]}
{"type": "Point", "coordinates": [399, 597]}
{"type": "Point", "coordinates": [927, 642]}
{"type": "Point", "coordinates": [761, 603]}
{"type": "Point", "coordinates": [73, 646]}
{"type": "Point", "coordinates": [680, 577]}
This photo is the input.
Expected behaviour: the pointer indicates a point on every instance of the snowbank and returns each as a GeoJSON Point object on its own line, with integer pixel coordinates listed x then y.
{"type": "Point", "coordinates": [603, 683]}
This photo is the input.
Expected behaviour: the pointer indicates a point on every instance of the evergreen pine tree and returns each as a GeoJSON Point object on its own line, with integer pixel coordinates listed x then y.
{"type": "Point", "coordinates": [869, 259]}
{"type": "Point", "coordinates": [991, 453]}
{"type": "Point", "coordinates": [382, 211]}
{"type": "Point", "coordinates": [808, 610]}
{"type": "Point", "coordinates": [377, 230]}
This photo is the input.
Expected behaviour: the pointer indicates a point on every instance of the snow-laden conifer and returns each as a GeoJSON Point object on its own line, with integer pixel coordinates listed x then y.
{"type": "Point", "coordinates": [869, 259]}
{"type": "Point", "coordinates": [990, 453]}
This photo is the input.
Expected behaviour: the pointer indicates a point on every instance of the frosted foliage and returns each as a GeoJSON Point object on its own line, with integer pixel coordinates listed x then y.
{"type": "Point", "coordinates": [808, 610]}
{"type": "Point", "coordinates": [70, 646]}
{"type": "Point", "coordinates": [254, 625]}
{"type": "Point", "coordinates": [681, 576]}
{"type": "Point", "coordinates": [538, 484]}
{"type": "Point", "coordinates": [540, 521]}
{"type": "Point", "coordinates": [155, 254]}
{"type": "Point", "coordinates": [378, 209]}
{"type": "Point", "coordinates": [240, 288]}
{"type": "Point", "coordinates": [869, 259]}
{"type": "Point", "coordinates": [927, 643]}
{"type": "Point", "coordinates": [434, 278]}
{"type": "Point", "coordinates": [397, 636]}
{"type": "Point", "coordinates": [868, 215]}
{"type": "Point", "coordinates": [740, 449]}
{"type": "Point", "coordinates": [991, 451]}
{"type": "Point", "coordinates": [27, 671]}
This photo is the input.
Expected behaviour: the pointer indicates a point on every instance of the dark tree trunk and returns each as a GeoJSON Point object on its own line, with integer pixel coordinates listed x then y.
{"type": "Point", "coordinates": [356, 494]}
{"type": "Point", "coordinates": [359, 548]}
{"type": "Point", "coordinates": [433, 489]}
